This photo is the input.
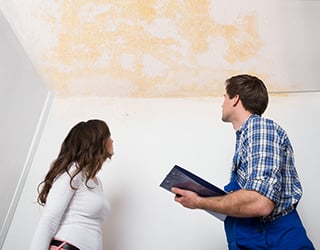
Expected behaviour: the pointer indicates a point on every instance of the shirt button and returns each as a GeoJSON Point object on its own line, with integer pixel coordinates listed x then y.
{"type": "Point", "coordinates": [260, 230]}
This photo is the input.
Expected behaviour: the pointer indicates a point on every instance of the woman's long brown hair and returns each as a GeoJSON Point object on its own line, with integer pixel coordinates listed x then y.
{"type": "Point", "coordinates": [84, 145]}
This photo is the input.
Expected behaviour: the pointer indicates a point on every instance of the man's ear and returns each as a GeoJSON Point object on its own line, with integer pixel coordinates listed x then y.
{"type": "Point", "coordinates": [236, 100]}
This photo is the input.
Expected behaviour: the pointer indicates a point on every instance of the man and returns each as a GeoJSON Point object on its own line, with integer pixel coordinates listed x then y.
{"type": "Point", "coordinates": [264, 189]}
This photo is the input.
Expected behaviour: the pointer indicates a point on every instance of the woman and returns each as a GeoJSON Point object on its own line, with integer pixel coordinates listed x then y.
{"type": "Point", "coordinates": [72, 194]}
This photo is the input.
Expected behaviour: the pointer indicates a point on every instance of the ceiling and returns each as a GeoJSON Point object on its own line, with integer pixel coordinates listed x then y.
{"type": "Point", "coordinates": [167, 48]}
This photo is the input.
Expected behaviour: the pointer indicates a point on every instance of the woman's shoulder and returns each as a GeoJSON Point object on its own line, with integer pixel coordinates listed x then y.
{"type": "Point", "coordinates": [71, 173]}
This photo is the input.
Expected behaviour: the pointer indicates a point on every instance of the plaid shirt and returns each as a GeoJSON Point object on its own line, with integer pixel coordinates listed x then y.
{"type": "Point", "coordinates": [264, 162]}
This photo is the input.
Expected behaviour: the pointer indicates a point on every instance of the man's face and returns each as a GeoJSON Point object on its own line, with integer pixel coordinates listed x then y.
{"type": "Point", "coordinates": [227, 108]}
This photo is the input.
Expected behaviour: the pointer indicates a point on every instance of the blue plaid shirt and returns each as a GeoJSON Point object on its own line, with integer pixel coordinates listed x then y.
{"type": "Point", "coordinates": [264, 162]}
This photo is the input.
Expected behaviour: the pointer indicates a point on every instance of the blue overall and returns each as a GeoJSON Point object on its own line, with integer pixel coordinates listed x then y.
{"type": "Point", "coordinates": [286, 232]}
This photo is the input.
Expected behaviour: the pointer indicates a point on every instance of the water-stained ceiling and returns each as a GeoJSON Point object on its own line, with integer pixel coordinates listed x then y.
{"type": "Point", "coordinates": [167, 48]}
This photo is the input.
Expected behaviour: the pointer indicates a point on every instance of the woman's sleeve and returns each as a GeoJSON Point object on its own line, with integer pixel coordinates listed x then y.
{"type": "Point", "coordinates": [58, 200]}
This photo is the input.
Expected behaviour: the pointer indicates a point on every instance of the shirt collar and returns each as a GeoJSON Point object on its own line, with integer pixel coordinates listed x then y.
{"type": "Point", "coordinates": [245, 124]}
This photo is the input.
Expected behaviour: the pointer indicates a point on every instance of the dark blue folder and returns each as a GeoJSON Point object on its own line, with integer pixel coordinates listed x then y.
{"type": "Point", "coordinates": [184, 179]}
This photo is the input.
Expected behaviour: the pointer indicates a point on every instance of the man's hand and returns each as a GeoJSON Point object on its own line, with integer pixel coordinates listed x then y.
{"type": "Point", "coordinates": [186, 198]}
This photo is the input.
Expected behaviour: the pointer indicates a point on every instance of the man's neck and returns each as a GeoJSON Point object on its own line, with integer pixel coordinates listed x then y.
{"type": "Point", "coordinates": [237, 123]}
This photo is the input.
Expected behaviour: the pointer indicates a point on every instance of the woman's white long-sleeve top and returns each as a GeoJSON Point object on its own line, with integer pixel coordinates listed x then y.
{"type": "Point", "coordinates": [73, 215]}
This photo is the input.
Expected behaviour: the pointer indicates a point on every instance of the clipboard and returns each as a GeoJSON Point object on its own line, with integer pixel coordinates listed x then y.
{"type": "Point", "coordinates": [184, 179]}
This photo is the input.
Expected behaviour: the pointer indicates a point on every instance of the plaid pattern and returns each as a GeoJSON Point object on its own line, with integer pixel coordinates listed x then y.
{"type": "Point", "coordinates": [264, 162]}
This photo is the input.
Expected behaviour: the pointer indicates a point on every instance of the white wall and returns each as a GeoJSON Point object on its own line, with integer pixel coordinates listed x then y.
{"type": "Point", "coordinates": [24, 102]}
{"type": "Point", "coordinates": [150, 136]}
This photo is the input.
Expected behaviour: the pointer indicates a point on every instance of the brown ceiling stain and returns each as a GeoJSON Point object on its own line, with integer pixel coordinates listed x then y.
{"type": "Point", "coordinates": [243, 39]}
{"type": "Point", "coordinates": [93, 39]}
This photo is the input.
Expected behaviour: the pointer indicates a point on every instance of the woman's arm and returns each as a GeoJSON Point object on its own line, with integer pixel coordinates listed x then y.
{"type": "Point", "coordinates": [58, 200]}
